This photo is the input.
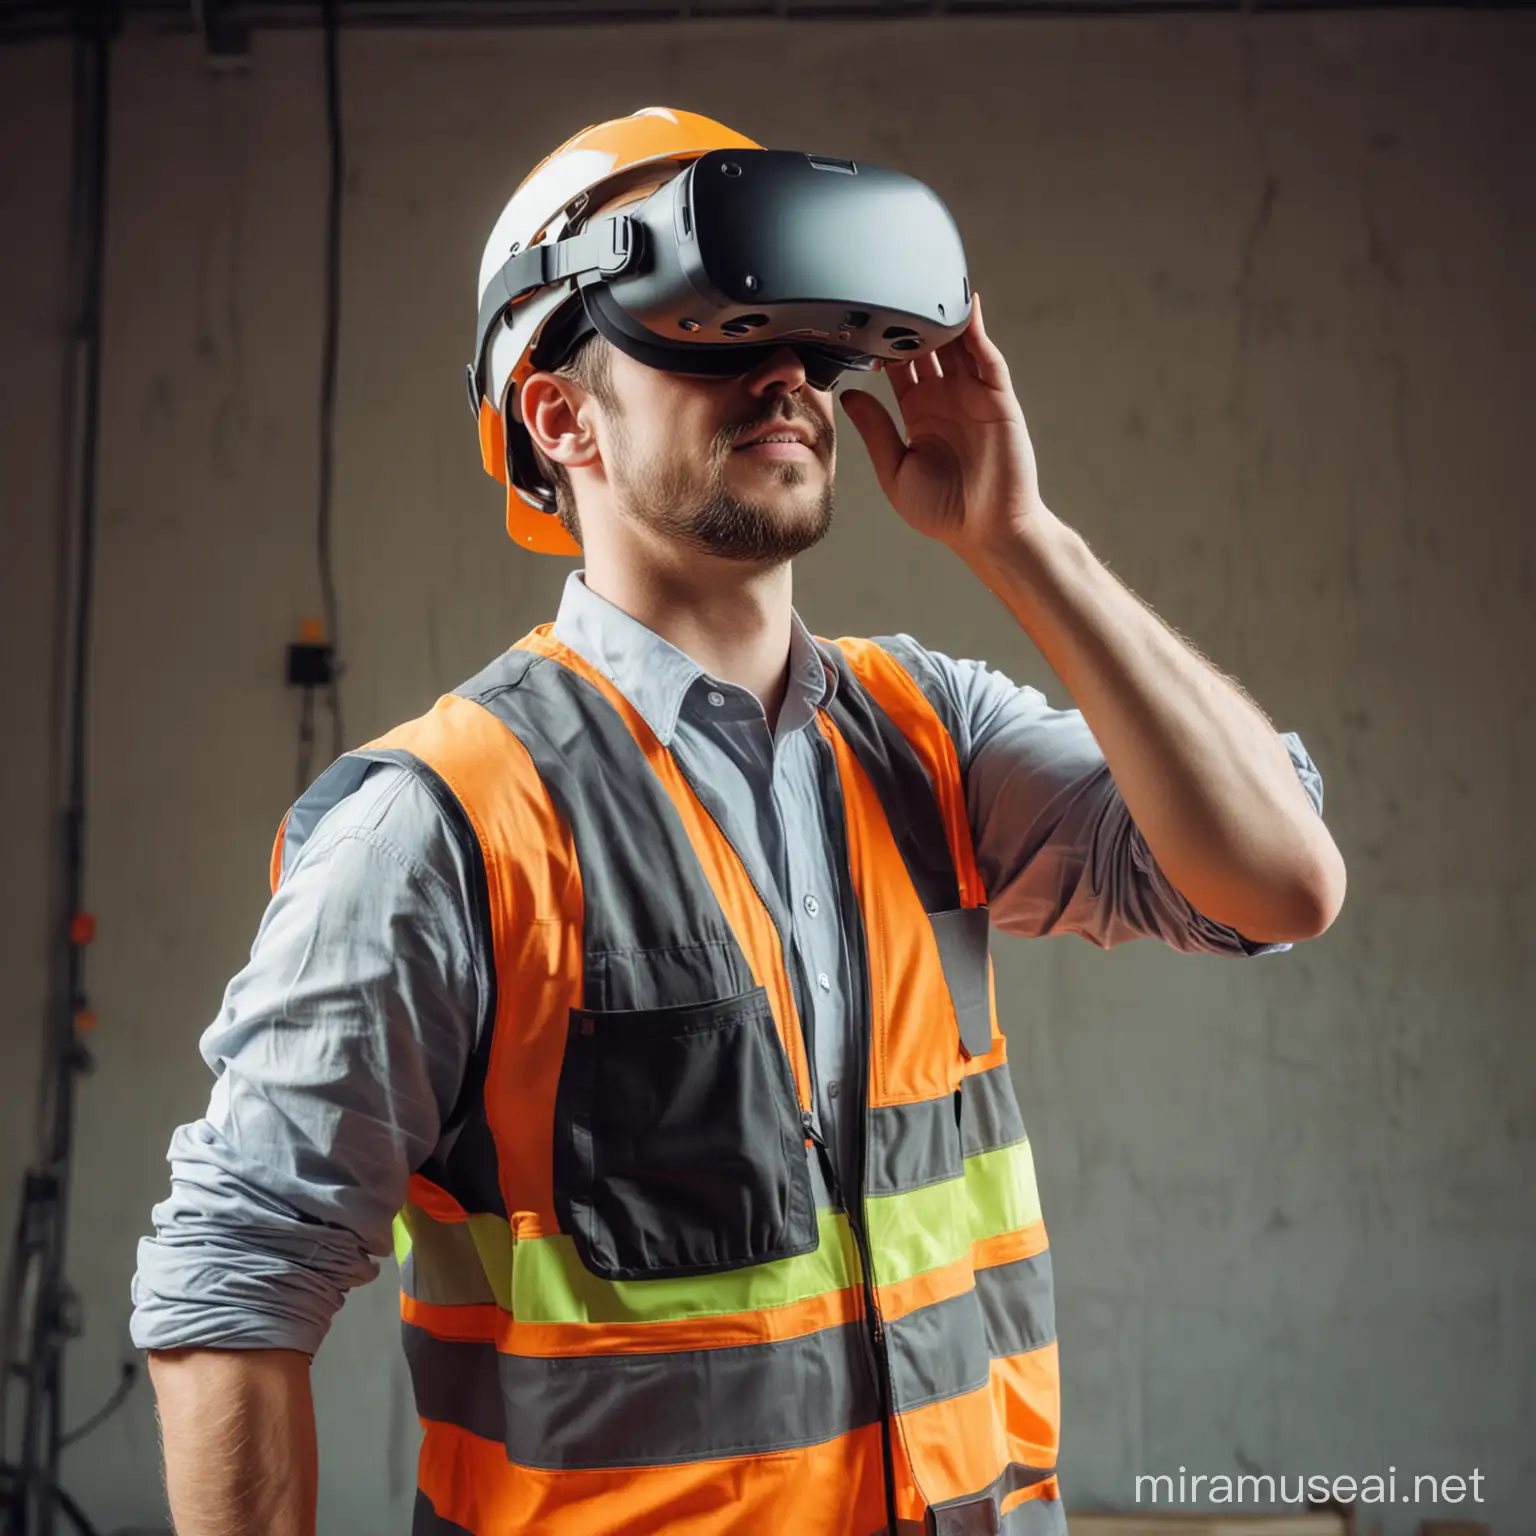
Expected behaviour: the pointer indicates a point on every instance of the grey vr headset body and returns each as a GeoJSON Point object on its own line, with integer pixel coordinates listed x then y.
{"type": "Point", "coordinates": [742, 253]}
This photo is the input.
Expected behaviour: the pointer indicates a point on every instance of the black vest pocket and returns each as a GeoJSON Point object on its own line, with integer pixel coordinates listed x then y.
{"type": "Point", "coordinates": [678, 1141]}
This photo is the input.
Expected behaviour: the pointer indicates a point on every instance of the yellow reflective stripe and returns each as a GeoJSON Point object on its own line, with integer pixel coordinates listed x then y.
{"type": "Point", "coordinates": [457, 1263]}
{"type": "Point", "coordinates": [495, 1244]}
{"type": "Point", "coordinates": [541, 1280]}
{"type": "Point", "coordinates": [925, 1229]}
{"type": "Point", "coordinates": [549, 1284]}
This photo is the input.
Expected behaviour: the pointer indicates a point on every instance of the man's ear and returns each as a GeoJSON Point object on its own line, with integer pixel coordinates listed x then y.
{"type": "Point", "coordinates": [553, 411]}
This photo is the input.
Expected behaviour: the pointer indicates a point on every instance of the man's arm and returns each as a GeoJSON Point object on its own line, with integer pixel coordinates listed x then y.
{"type": "Point", "coordinates": [339, 1052]}
{"type": "Point", "coordinates": [238, 1428]}
{"type": "Point", "coordinates": [1207, 782]}
{"type": "Point", "coordinates": [1056, 846]}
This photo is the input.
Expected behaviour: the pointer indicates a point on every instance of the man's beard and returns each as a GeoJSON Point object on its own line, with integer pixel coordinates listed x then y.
{"type": "Point", "coordinates": [711, 517]}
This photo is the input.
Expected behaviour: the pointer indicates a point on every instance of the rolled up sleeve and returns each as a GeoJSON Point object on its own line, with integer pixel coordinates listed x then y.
{"type": "Point", "coordinates": [339, 1052]}
{"type": "Point", "coordinates": [1056, 846]}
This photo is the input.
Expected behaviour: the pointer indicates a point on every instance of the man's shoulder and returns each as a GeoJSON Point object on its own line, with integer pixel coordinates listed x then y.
{"type": "Point", "coordinates": [500, 673]}
{"type": "Point", "coordinates": [362, 808]}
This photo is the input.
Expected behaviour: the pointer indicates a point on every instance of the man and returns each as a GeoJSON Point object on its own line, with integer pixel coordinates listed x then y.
{"type": "Point", "coordinates": [646, 977]}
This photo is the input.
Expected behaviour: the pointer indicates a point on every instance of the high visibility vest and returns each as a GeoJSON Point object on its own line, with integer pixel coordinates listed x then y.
{"type": "Point", "coordinates": [634, 1298]}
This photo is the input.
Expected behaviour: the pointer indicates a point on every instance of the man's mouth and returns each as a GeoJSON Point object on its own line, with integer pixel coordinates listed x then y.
{"type": "Point", "coordinates": [784, 438]}
{"type": "Point", "coordinates": [778, 446]}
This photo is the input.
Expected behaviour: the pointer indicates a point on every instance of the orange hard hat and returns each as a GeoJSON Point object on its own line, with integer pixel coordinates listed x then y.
{"type": "Point", "coordinates": [581, 174]}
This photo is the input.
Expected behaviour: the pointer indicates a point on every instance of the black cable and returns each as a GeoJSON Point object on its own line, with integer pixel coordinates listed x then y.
{"type": "Point", "coordinates": [75, 1513]}
{"type": "Point", "coordinates": [328, 360]}
{"type": "Point", "coordinates": [77, 1517]}
{"type": "Point", "coordinates": [129, 1370]}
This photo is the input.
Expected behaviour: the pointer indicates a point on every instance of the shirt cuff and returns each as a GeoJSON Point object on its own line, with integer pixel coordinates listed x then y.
{"type": "Point", "coordinates": [231, 1266]}
{"type": "Point", "coordinates": [227, 1296]}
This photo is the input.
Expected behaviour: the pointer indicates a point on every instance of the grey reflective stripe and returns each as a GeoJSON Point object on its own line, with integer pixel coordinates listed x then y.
{"type": "Point", "coordinates": [914, 1145]}
{"type": "Point", "coordinates": [947, 1349]}
{"type": "Point", "coordinates": [989, 1112]}
{"type": "Point", "coordinates": [425, 1521]}
{"type": "Point", "coordinates": [1018, 1305]}
{"type": "Point", "coordinates": [938, 1351]}
{"type": "Point", "coordinates": [654, 933]}
{"type": "Point", "coordinates": [637, 1410]}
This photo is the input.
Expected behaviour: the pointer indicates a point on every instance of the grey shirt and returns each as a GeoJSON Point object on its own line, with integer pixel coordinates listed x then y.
{"type": "Point", "coordinates": [339, 1048]}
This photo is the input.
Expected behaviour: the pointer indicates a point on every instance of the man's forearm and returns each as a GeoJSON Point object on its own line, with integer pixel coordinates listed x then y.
{"type": "Point", "coordinates": [238, 1428]}
{"type": "Point", "coordinates": [1202, 772]}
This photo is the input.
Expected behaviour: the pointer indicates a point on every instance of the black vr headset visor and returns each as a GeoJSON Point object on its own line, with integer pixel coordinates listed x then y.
{"type": "Point", "coordinates": [747, 251]}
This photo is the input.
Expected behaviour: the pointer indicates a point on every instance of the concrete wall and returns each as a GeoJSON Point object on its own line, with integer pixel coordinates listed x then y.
{"type": "Point", "coordinates": [1264, 289]}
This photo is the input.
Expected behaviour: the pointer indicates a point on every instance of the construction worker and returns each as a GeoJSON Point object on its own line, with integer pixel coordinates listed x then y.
{"type": "Point", "coordinates": [643, 982]}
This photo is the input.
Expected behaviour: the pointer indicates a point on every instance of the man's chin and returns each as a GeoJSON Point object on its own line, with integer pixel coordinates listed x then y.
{"type": "Point", "coordinates": [766, 530]}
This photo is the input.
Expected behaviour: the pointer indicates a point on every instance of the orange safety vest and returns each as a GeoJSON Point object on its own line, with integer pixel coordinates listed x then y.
{"type": "Point", "coordinates": [633, 1297]}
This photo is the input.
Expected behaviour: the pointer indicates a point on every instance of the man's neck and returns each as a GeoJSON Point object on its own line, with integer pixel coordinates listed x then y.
{"type": "Point", "coordinates": [733, 620]}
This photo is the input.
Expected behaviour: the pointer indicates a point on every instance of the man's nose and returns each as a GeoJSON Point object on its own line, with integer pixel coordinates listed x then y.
{"type": "Point", "coordinates": [781, 372]}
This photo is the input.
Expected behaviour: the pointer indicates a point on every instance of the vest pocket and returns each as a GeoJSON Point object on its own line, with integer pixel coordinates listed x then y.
{"type": "Point", "coordinates": [678, 1141]}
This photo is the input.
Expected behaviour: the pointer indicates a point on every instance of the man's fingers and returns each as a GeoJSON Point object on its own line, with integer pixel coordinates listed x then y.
{"type": "Point", "coordinates": [874, 425]}
{"type": "Point", "coordinates": [899, 372]}
{"type": "Point", "coordinates": [955, 360]}
{"type": "Point", "coordinates": [991, 365]}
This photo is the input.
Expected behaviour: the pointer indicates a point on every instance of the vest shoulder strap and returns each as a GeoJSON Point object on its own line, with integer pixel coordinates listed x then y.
{"type": "Point", "coordinates": [899, 716]}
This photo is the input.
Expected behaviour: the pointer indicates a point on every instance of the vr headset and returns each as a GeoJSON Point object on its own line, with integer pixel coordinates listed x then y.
{"type": "Point", "coordinates": [741, 253]}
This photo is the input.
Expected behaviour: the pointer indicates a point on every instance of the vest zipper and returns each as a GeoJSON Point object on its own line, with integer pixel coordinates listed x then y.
{"type": "Point", "coordinates": [799, 981]}
{"type": "Point", "coordinates": [854, 1212]}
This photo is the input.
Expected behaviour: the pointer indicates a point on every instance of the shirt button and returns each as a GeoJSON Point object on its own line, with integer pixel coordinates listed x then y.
{"type": "Point", "coordinates": [716, 697]}
{"type": "Point", "coordinates": [834, 1089]}
{"type": "Point", "coordinates": [812, 905]}
{"type": "Point", "coordinates": [823, 981]}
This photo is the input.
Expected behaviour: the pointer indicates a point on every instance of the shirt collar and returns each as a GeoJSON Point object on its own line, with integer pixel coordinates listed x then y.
{"type": "Point", "coordinates": [655, 676]}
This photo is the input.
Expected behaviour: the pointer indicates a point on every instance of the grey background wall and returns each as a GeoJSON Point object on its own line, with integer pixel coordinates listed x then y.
{"type": "Point", "coordinates": [1265, 291]}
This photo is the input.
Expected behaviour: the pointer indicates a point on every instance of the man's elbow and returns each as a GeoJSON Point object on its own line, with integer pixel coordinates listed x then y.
{"type": "Point", "coordinates": [1309, 905]}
